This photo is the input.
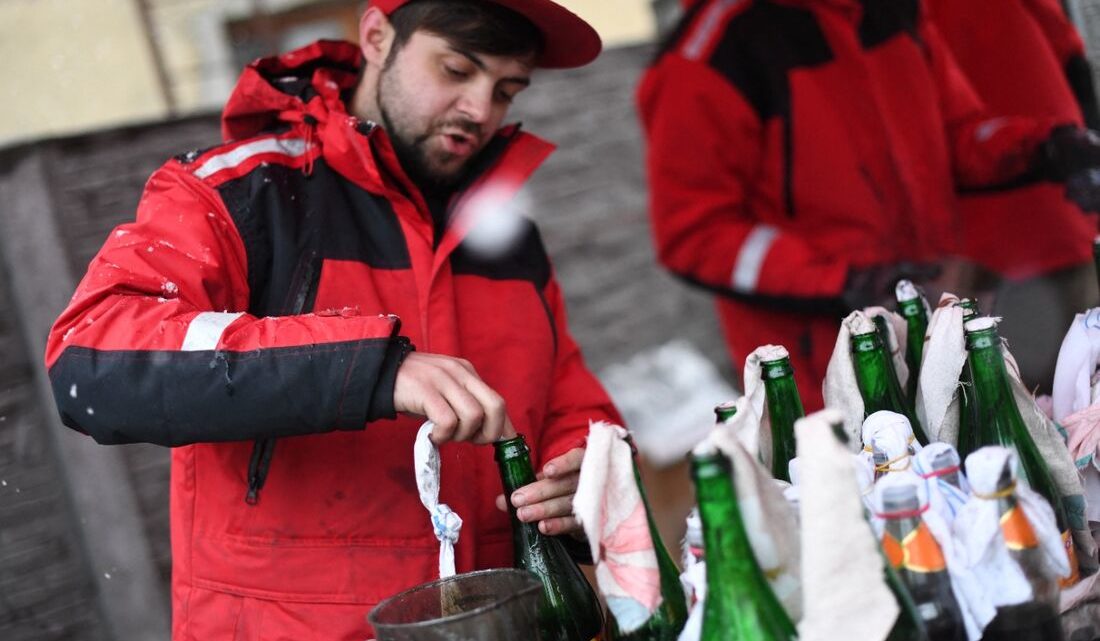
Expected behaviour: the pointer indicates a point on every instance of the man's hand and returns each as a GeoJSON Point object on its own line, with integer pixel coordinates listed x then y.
{"type": "Point", "coordinates": [1070, 149]}
{"type": "Point", "coordinates": [874, 285]}
{"type": "Point", "coordinates": [549, 500]}
{"type": "Point", "coordinates": [448, 392]}
{"type": "Point", "coordinates": [1083, 189]}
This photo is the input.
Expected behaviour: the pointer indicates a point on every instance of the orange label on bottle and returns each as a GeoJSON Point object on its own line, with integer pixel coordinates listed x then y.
{"type": "Point", "coordinates": [922, 553]}
{"type": "Point", "coordinates": [1017, 530]}
{"type": "Point", "coordinates": [1074, 571]}
{"type": "Point", "coordinates": [891, 547]}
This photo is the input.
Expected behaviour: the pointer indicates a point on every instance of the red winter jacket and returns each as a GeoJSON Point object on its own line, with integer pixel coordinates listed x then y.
{"type": "Point", "coordinates": [269, 288]}
{"type": "Point", "coordinates": [790, 140]}
{"type": "Point", "coordinates": [1016, 57]}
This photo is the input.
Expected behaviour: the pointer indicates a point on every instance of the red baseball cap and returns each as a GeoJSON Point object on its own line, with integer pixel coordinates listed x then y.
{"type": "Point", "coordinates": [568, 41]}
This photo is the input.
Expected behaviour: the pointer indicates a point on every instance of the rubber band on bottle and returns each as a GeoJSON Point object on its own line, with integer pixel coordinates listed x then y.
{"type": "Point", "coordinates": [904, 514]}
{"type": "Point", "coordinates": [937, 473]}
{"type": "Point", "coordinates": [887, 466]}
{"type": "Point", "coordinates": [999, 494]}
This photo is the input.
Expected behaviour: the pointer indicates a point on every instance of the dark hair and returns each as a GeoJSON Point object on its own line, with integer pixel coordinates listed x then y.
{"type": "Point", "coordinates": [476, 25]}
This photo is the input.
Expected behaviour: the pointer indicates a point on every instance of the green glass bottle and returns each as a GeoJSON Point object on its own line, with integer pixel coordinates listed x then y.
{"type": "Point", "coordinates": [878, 382]}
{"type": "Point", "coordinates": [570, 610]}
{"type": "Point", "coordinates": [740, 605]}
{"type": "Point", "coordinates": [670, 617]}
{"type": "Point", "coordinates": [914, 309]}
{"type": "Point", "coordinates": [998, 420]}
{"type": "Point", "coordinates": [724, 412]}
{"type": "Point", "coordinates": [784, 408]}
{"type": "Point", "coordinates": [968, 434]}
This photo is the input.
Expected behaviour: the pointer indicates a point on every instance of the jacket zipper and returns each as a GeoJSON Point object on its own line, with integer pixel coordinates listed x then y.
{"type": "Point", "coordinates": [259, 463]}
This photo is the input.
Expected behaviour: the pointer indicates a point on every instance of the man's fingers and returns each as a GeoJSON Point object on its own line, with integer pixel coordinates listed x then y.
{"type": "Point", "coordinates": [502, 504]}
{"type": "Point", "coordinates": [551, 508]}
{"type": "Point", "coordinates": [438, 411]}
{"type": "Point", "coordinates": [540, 491]}
{"type": "Point", "coordinates": [473, 412]}
{"type": "Point", "coordinates": [560, 525]}
{"type": "Point", "coordinates": [492, 407]}
{"type": "Point", "coordinates": [509, 429]}
{"type": "Point", "coordinates": [565, 464]}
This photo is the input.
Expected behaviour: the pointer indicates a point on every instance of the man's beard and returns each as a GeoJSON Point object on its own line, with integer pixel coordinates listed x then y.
{"type": "Point", "coordinates": [411, 147]}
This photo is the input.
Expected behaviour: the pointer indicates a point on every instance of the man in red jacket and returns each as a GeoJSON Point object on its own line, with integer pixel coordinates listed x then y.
{"type": "Point", "coordinates": [804, 154]}
{"type": "Point", "coordinates": [260, 315]}
{"type": "Point", "coordinates": [1024, 57]}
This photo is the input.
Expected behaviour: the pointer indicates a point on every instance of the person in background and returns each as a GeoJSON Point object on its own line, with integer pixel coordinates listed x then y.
{"type": "Point", "coordinates": [260, 317]}
{"type": "Point", "coordinates": [1024, 57]}
{"type": "Point", "coordinates": [804, 154]}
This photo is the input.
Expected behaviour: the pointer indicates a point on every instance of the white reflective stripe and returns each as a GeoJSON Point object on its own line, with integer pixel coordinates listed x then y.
{"type": "Point", "coordinates": [746, 272]}
{"type": "Point", "coordinates": [288, 146]}
{"type": "Point", "coordinates": [986, 130]}
{"type": "Point", "coordinates": [712, 18]}
{"type": "Point", "coordinates": [206, 330]}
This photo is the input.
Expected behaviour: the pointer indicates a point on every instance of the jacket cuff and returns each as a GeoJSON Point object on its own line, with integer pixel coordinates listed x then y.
{"type": "Point", "coordinates": [381, 401]}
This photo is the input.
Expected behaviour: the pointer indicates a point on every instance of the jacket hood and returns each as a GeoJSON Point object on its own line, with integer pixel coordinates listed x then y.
{"type": "Point", "coordinates": [313, 80]}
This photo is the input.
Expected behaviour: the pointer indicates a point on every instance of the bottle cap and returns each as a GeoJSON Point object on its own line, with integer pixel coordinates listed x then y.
{"type": "Point", "coordinates": [906, 291]}
{"type": "Point", "coordinates": [772, 353]}
{"type": "Point", "coordinates": [980, 324]}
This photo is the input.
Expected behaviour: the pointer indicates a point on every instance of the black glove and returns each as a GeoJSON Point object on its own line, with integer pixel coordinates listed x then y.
{"type": "Point", "coordinates": [1068, 150]}
{"type": "Point", "coordinates": [1083, 188]}
{"type": "Point", "coordinates": [1079, 75]}
{"type": "Point", "coordinates": [867, 286]}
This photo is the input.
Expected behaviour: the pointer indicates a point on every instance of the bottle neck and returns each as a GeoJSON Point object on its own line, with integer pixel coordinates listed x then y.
{"type": "Point", "coordinates": [913, 312]}
{"type": "Point", "coordinates": [999, 420]}
{"type": "Point", "coordinates": [875, 375]}
{"type": "Point", "coordinates": [724, 412]}
{"type": "Point", "coordinates": [732, 570]}
{"type": "Point", "coordinates": [514, 462]}
{"type": "Point", "coordinates": [784, 408]}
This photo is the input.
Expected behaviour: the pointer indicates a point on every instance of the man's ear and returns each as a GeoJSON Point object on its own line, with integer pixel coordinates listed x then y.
{"type": "Point", "coordinates": [376, 36]}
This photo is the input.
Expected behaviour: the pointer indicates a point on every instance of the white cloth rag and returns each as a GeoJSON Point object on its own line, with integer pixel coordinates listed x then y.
{"type": "Point", "coordinates": [752, 379]}
{"type": "Point", "coordinates": [445, 522]}
{"type": "Point", "coordinates": [938, 391]}
{"type": "Point", "coordinates": [1083, 428]}
{"type": "Point", "coordinates": [844, 594]}
{"type": "Point", "coordinates": [977, 528]}
{"type": "Point", "coordinates": [769, 521]}
{"type": "Point", "coordinates": [840, 389]}
{"type": "Point", "coordinates": [890, 430]}
{"type": "Point", "coordinates": [694, 578]}
{"type": "Point", "coordinates": [1078, 358]}
{"type": "Point", "coordinates": [974, 604]}
{"type": "Point", "coordinates": [891, 434]}
{"type": "Point", "coordinates": [610, 509]}
{"type": "Point", "coordinates": [944, 498]}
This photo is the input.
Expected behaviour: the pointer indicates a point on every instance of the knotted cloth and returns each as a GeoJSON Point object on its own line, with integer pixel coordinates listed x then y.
{"type": "Point", "coordinates": [445, 522]}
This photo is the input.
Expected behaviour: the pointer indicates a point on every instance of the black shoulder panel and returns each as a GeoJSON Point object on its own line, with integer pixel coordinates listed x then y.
{"type": "Point", "coordinates": [290, 221]}
{"type": "Point", "coordinates": [884, 19]}
{"type": "Point", "coordinates": [761, 45]}
{"type": "Point", "coordinates": [525, 259]}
